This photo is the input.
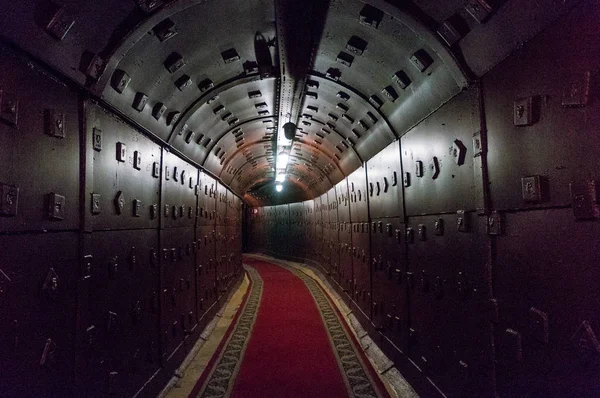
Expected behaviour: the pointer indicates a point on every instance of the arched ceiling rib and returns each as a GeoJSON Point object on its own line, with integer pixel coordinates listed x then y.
{"type": "Point", "coordinates": [213, 79]}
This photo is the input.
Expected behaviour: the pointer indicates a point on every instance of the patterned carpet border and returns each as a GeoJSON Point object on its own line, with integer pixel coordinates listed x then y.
{"type": "Point", "coordinates": [219, 382]}
{"type": "Point", "coordinates": [358, 381]}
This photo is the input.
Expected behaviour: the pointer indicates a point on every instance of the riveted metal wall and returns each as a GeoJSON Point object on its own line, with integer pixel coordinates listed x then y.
{"type": "Point", "coordinates": [100, 253]}
{"type": "Point", "coordinates": [485, 284]}
{"type": "Point", "coordinates": [39, 177]}
{"type": "Point", "coordinates": [119, 311]}
{"type": "Point", "coordinates": [38, 285]}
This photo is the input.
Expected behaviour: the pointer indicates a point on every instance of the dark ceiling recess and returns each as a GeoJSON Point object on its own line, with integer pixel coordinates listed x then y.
{"type": "Point", "coordinates": [352, 75]}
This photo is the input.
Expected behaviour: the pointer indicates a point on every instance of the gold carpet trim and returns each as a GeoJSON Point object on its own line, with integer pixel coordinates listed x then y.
{"type": "Point", "coordinates": [358, 381]}
{"type": "Point", "coordinates": [219, 383]}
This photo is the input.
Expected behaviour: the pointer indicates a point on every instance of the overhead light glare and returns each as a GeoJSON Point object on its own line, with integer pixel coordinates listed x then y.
{"type": "Point", "coordinates": [279, 187]}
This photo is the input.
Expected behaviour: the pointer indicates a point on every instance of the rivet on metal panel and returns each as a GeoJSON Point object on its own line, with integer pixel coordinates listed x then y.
{"type": "Point", "coordinates": [56, 207]}
{"type": "Point", "coordinates": [356, 45]}
{"type": "Point", "coordinates": [479, 10]}
{"type": "Point", "coordinates": [59, 22]}
{"type": "Point", "coordinates": [584, 199]}
{"type": "Point", "coordinates": [230, 56]}
{"type": "Point", "coordinates": [422, 232]}
{"type": "Point", "coordinates": [173, 118]}
{"type": "Point", "coordinates": [158, 110]}
{"type": "Point", "coordinates": [539, 325]}
{"type": "Point", "coordinates": [87, 266]}
{"type": "Point", "coordinates": [419, 168]}
{"type": "Point", "coordinates": [345, 59]}
{"type": "Point", "coordinates": [121, 152]}
{"type": "Point", "coordinates": [459, 152]}
{"type": "Point", "coordinates": [205, 85]}
{"type": "Point", "coordinates": [371, 16]}
{"type": "Point", "coordinates": [54, 123]}
{"type": "Point", "coordinates": [49, 353]}
{"type": "Point", "coordinates": [515, 348]}
{"type": "Point", "coordinates": [119, 202]}
{"type": "Point", "coordinates": [438, 288]}
{"type": "Point", "coordinates": [137, 208]}
{"type": "Point", "coordinates": [584, 339]}
{"type": "Point", "coordinates": [478, 147]}
{"type": "Point", "coordinates": [532, 189]}
{"type": "Point", "coordinates": [92, 65]}
{"type": "Point", "coordinates": [462, 221]}
{"type": "Point", "coordinates": [9, 108]}
{"type": "Point", "coordinates": [406, 179]}
{"type": "Point", "coordinates": [97, 139]}
{"type": "Point", "coordinates": [153, 257]}
{"type": "Point", "coordinates": [183, 82]}
{"type": "Point", "coordinates": [421, 60]}
{"type": "Point", "coordinates": [165, 30]}
{"type": "Point", "coordinates": [401, 79]}
{"type": "Point", "coordinates": [410, 236]}
{"type": "Point", "coordinates": [95, 203]}
{"type": "Point", "coordinates": [435, 167]}
{"type": "Point", "coordinates": [139, 102]}
{"type": "Point", "coordinates": [439, 227]}
{"type": "Point", "coordinates": [494, 224]}
{"type": "Point", "coordinates": [332, 74]}
{"type": "Point", "coordinates": [120, 80]}
{"type": "Point", "coordinates": [137, 160]}
{"type": "Point", "coordinates": [390, 93]}
{"type": "Point", "coordinates": [113, 267]}
{"type": "Point", "coordinates": [449, 32]}
{"type": "Point", "coordinates": [524, 112]}
{"type": "Point", "coordinates": [576, 92]}
{"type": "Point", "coordinates": [174, 62]}
{"type": "Point", "coordinates": [375, 101]}
{"type": "Point", "coordinates": [50, 286]}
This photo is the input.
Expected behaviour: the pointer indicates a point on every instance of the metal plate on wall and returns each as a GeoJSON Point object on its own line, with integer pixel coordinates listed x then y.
{"type": "Point", "coordinates": [33, 161]}
{"type": "Point", "coordinates": [445, 185]}
{"type": "Point", "coordinates": [359, 196]}
{"type": "Point", "coordinates": [384, 183]}
{"type": "Point", "coordinates": [449, 302]}
{"type": "Point", "coordinates": [546, 297]}
{"type": "Point", "coordinates": [119, 332]}
{"type": "Point", "coordinates": [179, 200]}
{"type": "Point", "coordinates": [127, 194]}
{"type": "Point", "coordinates": [38, 281]}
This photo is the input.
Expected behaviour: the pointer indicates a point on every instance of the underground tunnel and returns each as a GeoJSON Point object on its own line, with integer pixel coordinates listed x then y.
{"type": "Point", "coordinates": [285, 198]}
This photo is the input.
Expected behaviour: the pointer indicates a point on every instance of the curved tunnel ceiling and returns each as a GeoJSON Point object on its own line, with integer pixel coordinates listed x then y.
{"type": "Point", "coordinates": [217, 79]}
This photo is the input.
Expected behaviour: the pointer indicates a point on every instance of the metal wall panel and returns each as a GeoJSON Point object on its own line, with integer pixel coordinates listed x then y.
{"type": "Point", "coordinates": [207, 200]}
{"type": "Point", "coordinates": [450, 292]}
{"type": "Point", "coordinates": [547, 304]}
{"type": "Point", "coordinates": [438, 159]}
{"type": "Point", "coordinates": [359, 197]}
{"type": "Point", "coordinates": [345, 270]}
{"type": "Point", "coordinates": [384, 183]}
{"type": "Point", "coordinates": [221, 206]}
{"type": "Point", "coordinates": [179, 200]}
{"type": "Point", "coordinates": [361, 267]}
{"type": "Point", "coordinates": [343, 200]}
{"type": "Point", "coordinates": [559, 142]}
{"type": "Point", "coordinates": [178, 290]}
{"type": "Point", "coordinates": [332, 205]}
{"type": "Point", "coordinates": [123, 193]}
{"type": "Point", "coordinates": [389, 270]}
{"type": "Point", "coordinates": [119, 311]}
{"type": "Point", "coordinates": [38, 285]}
{"type": "Point", "coordinates": [206, 277]}
{"type": "Point", "coordinates": [37, 160]}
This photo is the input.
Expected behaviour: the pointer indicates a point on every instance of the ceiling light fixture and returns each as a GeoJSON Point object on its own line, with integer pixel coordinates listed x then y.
{"type": "Point", "coordinates": [279, 187]}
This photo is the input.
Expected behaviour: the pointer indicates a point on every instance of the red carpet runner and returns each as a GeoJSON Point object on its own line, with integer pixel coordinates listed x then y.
{"type": "Point", "coordinates": [287, 340]}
